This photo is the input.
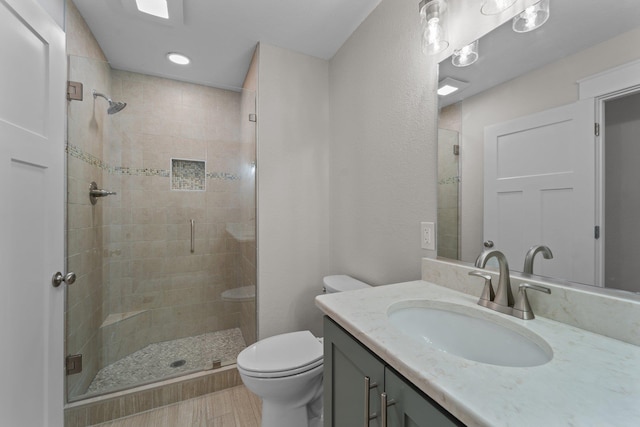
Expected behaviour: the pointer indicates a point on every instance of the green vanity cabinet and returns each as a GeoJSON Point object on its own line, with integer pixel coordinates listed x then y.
{"type": "Point", "coordinates": [349, 367]}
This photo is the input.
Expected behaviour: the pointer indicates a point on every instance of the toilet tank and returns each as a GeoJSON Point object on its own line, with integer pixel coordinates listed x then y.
{"type": "Point", "coordinates": [341, 283]}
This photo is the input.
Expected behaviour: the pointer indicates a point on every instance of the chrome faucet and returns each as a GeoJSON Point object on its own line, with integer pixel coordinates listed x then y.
{"type": "Point", "coordinates": [488, 244]}
{"type": "Point", "coordinates": [531, 254]}
{"type": "Point", "coordinates": [502, 301]}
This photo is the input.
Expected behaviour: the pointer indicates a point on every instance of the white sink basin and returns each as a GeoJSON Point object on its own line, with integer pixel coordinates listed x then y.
{"type": "Point", "coordinates": [470, 333]}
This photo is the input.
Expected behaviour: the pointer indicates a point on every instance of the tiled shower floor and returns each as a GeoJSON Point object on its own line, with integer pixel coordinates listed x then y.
{"type": "Point", "coordinates": [153, 362]}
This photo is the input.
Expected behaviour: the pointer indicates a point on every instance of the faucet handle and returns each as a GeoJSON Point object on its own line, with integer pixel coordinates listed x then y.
{"type": "Point", "coordinates": [487, 292]}
{"type": "Point", "coordinates": [522, 308]}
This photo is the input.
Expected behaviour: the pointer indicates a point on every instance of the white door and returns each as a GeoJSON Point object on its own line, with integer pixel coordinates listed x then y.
{"type": "Point", "coordinates": [32, 105]}
{"type": "Point", "coordinates": [540, 189]}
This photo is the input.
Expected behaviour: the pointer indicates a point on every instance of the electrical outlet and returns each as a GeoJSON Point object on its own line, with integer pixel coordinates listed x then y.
{"type": "Point", "coordinates": [428, 235]}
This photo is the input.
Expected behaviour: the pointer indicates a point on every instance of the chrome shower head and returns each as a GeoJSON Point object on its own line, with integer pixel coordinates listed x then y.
{"type": "Point", "coordinates": [114, 107]}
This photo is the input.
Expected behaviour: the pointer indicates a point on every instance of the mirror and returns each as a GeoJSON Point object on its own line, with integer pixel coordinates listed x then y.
{"type": "Point", "coordinates": [520, 74]}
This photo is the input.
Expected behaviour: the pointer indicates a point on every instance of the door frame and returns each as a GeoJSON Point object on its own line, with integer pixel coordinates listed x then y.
{"type": "Point", "coordinates": [601, 87]}
{"type": "Point", "coordinates": [601, 175]}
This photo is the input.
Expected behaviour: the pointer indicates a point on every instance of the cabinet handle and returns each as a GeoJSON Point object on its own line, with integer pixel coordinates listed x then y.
{"type": "Point", "coordinates": [367, 396]}
{"type": "Point", "coordinates": [384, 404]}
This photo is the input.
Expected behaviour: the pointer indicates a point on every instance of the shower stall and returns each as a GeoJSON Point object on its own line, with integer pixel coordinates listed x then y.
{"type": "Point", "coordinates": [160, 228]}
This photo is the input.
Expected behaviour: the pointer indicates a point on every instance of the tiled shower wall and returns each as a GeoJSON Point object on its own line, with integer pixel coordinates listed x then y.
{"type": "Point", "coordinates": [450, 127]}
{"type": "Point", "coordinates": [139, 281]}
{"type": "Point", "coordinates": [448, 194]}
{"type": "Point", "coordinates": [152, 275]}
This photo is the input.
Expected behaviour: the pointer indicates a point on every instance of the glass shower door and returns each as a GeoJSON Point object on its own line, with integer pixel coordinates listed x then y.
{"type": "Point", "coordinates": [166, 263]}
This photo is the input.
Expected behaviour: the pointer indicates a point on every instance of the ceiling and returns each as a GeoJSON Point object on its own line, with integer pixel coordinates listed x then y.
{"type": "Point", "coordinates": [219, 35]}
{"type": "Point", "coordinates": [573, 26]}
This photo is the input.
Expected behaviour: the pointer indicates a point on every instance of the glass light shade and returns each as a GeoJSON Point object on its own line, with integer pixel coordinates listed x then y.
{"type": "Point", "coordinates": [178, 58]}
{"type": "Point", "coordinates": [533, 17]}
{"type": "Point", "coordinates": [465, 56]}
{"type": "Point", "coordinates": [493, 7]}
{"type": "Point", "coordinates": [434, 26]}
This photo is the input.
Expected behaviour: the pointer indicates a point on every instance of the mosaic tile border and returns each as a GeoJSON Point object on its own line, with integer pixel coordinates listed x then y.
{"type": "Point", "coordinates": [78, 153]}
{"type": "Point", "coordinates": [450, 180]}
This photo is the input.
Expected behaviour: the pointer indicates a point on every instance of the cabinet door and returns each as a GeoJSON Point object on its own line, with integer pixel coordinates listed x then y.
{"type": "Point", "coordinates": [346, 364]}
{"type": "Point", "coordinates": [412, 408]}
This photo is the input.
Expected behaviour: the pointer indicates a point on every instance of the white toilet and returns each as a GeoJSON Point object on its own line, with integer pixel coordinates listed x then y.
{"type": "Point", "coordinates": [286, 371]}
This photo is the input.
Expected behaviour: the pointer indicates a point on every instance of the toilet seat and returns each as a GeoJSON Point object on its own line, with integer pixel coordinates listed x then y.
{"type": "Point", "coordinates": [281, 355]}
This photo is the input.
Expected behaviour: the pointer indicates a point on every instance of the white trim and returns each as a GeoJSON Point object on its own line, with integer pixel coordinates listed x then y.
{"type": "Point", "coordinates": [617, 92]}
{"type": "Point", "coordinates": [611, 80]}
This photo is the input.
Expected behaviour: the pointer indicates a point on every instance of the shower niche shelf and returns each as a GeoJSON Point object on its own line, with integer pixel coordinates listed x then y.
{"type": "Point", "coordinates": [188, 175]}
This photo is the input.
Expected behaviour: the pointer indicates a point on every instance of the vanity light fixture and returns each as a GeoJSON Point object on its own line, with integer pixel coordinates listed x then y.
{"type": "Point", "coordinates": [493, 7]}
{"type": "Point", "coordinates": [157, 8]}
{"type": "Point", "coordinates": [533, 17]}
{"type": "Point", "coordinates": [178, 58]}
{"type": "Point", "coordinates": [465, 56]}
{"type": "Point", "coordinates": [447, 86]}
{"type": "Point", "coordinates": [433, 26]}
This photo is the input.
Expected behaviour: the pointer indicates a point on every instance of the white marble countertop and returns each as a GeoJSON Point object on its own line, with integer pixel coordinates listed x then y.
{"type": "Point", "coordinates": [592, 380]}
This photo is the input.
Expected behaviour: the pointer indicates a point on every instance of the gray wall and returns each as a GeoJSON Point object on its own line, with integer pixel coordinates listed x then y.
{"type": "Point", "coordinates": [293, 189]}
{"type": "Point", "coordinates": [346, 165]}
{"type": "Point", "coordinates": [383, 157]}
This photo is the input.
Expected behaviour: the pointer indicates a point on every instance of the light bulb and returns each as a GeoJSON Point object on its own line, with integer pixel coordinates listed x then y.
{"type": "Point", "coordinates": [465, 56]}
{"type": "Point", "coordinates": [434, 36]}
{"type": "Point", "coordinates": [533, 17]}
{"type": "Point", "coordinates": [529, 16]}
{"type": "Point", "coordinates": [493, 7]}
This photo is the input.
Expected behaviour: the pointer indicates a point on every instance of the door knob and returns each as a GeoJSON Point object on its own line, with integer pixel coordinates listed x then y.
{"type": "Point", "coordinates": [68, 278]}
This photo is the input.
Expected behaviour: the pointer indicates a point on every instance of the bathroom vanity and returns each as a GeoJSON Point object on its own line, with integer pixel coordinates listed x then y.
{"type": "Point", "coordinates": [355, 377]}
{"type": "Point", "coordinates": [588, 378]}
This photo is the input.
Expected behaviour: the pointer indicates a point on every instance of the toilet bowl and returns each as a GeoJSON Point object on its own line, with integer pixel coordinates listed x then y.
{"type": "Point", "coordinates": [286, 371]}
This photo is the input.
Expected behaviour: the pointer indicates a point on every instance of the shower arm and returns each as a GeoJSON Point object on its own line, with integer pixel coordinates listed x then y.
{"type": "Point", "coordinates": [96, 94]}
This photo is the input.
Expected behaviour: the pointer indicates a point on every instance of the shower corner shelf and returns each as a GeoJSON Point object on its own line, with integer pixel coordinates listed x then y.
{"type": "Point", "coordinates": [119, 317]}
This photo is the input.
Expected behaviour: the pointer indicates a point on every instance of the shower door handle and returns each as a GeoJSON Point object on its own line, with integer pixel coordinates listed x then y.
{"type": "Point", "coordinates": [193, 236]}
{"type": "Point", "coordinates": [58, 278]}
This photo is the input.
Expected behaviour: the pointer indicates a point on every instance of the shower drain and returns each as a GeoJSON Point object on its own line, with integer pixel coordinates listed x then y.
{"type": "Point", "coordinates": [177, 363]}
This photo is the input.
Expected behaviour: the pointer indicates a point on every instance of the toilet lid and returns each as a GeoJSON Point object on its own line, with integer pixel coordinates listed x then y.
{"type": "Point", "coordinates": [282, 354]}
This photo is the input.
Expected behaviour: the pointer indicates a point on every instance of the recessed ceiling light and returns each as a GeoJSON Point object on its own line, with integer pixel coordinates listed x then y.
{"type": "Point", "coordinates": [154, 7]}
{"type": "Point", "coordinates": [446, 90]}
{"type": "Point", "coordinates": [448, 85]}
{"type": "Point", "coordinates": [178, 58]}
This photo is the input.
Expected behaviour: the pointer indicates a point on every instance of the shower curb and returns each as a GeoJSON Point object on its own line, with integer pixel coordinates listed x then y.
{"type": "Point", "coordinates": [140, 399]}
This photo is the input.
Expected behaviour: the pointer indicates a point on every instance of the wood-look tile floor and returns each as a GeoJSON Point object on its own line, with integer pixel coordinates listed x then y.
{"type": "Point", "coordinates": [233, 407]}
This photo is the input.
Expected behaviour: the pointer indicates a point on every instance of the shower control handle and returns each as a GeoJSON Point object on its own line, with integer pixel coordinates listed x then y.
{"type": "Point", "coordinates": [95, 192]}
{"type": "Point", "coordinates": [58, 278]}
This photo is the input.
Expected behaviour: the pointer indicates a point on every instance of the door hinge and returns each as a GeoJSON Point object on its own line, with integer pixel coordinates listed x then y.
{"type": "Point", "coordinates": [74, 91]}
{"type": "Point", "coordinates": [74, 364]}
{"type": "Point", "coordinates": [456, 150]}
{"type": "Point", "coordinates": [596, 232]}
{"type": "Point", "coordinates": [596, 129]}
{"type": "Point", "coordinates": [252, 117]}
